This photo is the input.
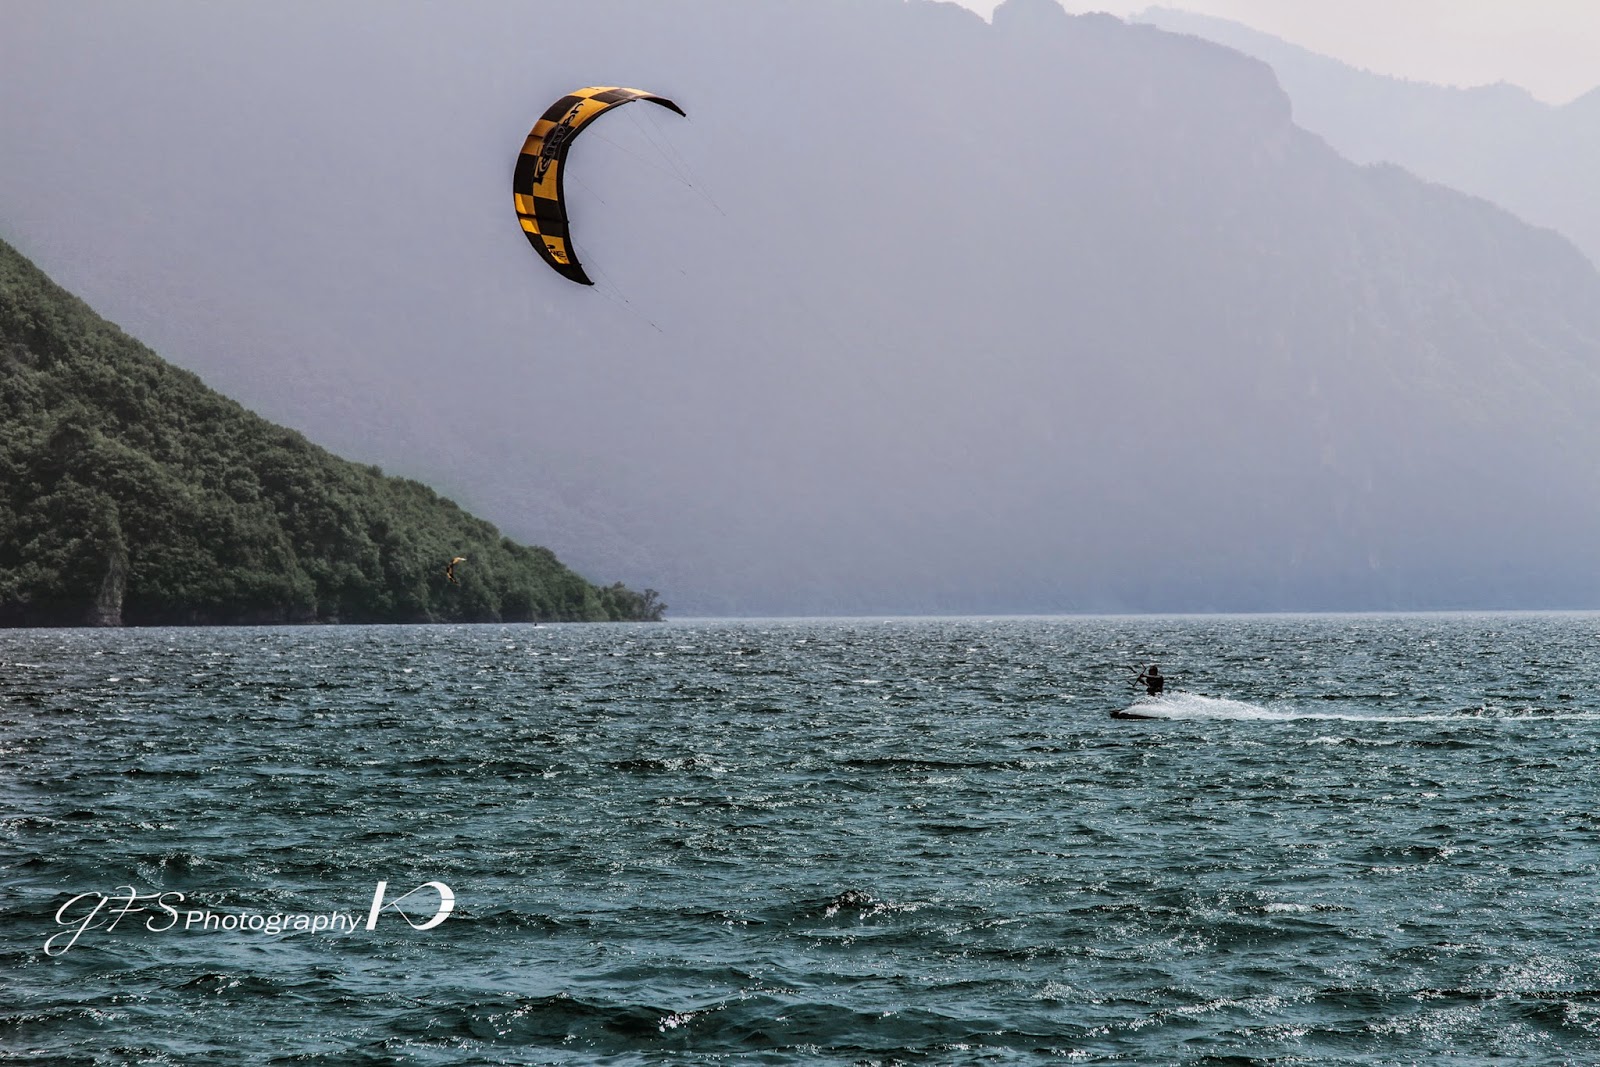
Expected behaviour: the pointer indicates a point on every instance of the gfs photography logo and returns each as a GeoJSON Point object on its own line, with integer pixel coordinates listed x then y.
{"type": "Point", "coordinates": [164, 912]}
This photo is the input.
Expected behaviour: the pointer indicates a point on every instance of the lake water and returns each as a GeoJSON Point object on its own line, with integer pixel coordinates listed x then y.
{"type": "Point", "coordinates": [1341, 840]}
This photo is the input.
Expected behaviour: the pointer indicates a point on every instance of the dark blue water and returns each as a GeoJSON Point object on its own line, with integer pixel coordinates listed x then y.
{"type": "Point", "coordinates": [1340, 840]}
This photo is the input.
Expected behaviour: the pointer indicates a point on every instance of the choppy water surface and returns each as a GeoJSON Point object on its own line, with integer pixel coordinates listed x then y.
{"type": "Point", "coordinates": [1341, 840]}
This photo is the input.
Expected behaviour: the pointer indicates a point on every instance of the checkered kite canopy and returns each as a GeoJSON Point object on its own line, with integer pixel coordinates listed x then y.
{"type": "Point", "coordinates": [536, 185]}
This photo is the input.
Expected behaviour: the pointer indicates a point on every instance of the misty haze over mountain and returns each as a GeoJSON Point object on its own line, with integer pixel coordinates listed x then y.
{"type": "Point", "coordinates": [1542, 162]}
{"type": "Point", "coordinates": [913, 313]}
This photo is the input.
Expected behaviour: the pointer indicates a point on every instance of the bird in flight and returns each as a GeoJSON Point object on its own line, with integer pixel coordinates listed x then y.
{"type": "Point", "coordinates": [450, 569]}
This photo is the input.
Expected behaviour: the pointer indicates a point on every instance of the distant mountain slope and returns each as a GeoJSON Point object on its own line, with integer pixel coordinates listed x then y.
{"type": "Point", "coordinates": [912, 313]}
{"type": "Point", "coordinates": [1538, 161]}
{"type": "Point", "coordinates": [131, 493]}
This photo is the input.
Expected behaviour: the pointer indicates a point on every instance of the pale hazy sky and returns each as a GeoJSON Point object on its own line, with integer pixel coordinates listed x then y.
{"type": "Point", "coordinates": [1549, 47]}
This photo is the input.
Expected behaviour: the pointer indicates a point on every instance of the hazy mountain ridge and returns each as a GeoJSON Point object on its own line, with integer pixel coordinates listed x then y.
{"type": "Point", "coordinates": [1540, 161]}
{"type": "Point", "coordinates": [912, 313]}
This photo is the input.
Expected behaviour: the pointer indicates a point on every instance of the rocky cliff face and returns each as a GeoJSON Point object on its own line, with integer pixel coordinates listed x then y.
{"type": "Point", "coordinates": [107, 610]}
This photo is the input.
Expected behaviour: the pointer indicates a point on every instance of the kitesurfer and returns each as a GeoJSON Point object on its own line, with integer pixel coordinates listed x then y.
{"type": "Point", "coordinates": [1152, 680]}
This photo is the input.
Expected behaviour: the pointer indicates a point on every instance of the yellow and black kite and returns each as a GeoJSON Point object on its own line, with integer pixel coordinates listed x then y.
{"type": "Point", "coordinates": [537, 183]}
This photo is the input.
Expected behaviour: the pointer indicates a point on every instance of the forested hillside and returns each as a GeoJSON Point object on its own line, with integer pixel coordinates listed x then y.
{"type": "Point", "coordinates": [130, 493]}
